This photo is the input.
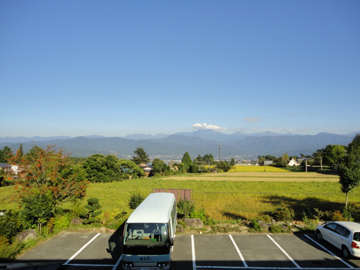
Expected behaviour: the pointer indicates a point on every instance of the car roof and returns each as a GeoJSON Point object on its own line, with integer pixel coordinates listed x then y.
{"type": "Point", "coordinates": [352, 226]}
{"type": "Point", "coordinates": [156, 208]}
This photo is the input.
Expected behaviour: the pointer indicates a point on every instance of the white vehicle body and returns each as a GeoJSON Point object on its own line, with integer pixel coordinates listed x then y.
{"type": "Point", "coordinates": [149, 233]}
{"type": "Point", "coordinates": [343, 235]}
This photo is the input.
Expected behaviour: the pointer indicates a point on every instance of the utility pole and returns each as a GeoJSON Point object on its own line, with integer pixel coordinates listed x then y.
{"type": "Point", "coordinates": [305, 165]}
{"type": "Point", "coordinates": [320, 163]}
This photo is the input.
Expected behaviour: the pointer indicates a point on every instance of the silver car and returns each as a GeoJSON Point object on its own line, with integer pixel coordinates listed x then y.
{"type": "Point", "coordinates": [343, 235]}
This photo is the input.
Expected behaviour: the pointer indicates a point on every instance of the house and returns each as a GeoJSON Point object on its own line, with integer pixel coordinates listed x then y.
{"type": "Point", "coordinates": [293, 162]}
{"type": "Point", "coordinates": [146, 167]}
{"type": "Point", "coordinates": [15, 169]}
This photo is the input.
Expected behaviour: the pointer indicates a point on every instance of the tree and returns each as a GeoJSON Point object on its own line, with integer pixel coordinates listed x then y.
{"type": "Point", "coordinates": [159, 167]}
{"type": "Point", "coordinates": [19, 154]}
{"type": "Point", "coordinates": [51, 173]}
{"type": "Point", "coordinates": [208, 159]}
{"type": "Point", "coordinates": [349, 169]}
{"type": "Point", "coordinates": [129, 169]}
{"type": "Point", "coordinates": [334, 155]}
{"type": "Point", "coordinates": [140, 156]}
{"type": "Point", "coordinates": [5, 154]}
{"type": "Point", "coordinates": [186, 161]}
{"type": "Point", "coordinates": [232, 162]}
{"type": "Point", "coordinates": [284, 160]}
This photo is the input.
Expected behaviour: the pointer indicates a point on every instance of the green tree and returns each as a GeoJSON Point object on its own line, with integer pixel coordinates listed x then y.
{"type": "Point", "coordinates": [5, 154]}
{"type": "Point", "coordinates": [129, 169]}
{"type": "Point", "coordinates": [159, 167]}
{"type": "Point", "coordinates": [19, 154]}
{"type": "Point", "coordinates": [52, 172]}
{"type": "Point", "coordinates": [208, 159]}
{"type": "Point", "coordinates": [232, 162]}
{"type": "Point", "coordinates": [284, 160]}
{"type": "Point", "coordinates": [34, 153]}
{"type": "Point", "coordinates": [100, 168]}
{"type": "Point", "coordinates": [140, 156]}
{"type": "Point", "coordinates": [186, 161]}
{"type": "Point", "coordinates": [349, 169]}
{"type": "Point", "coordinates": [93, 211]}
{"type": "Point", "coordinates": [334, 155]}
{"type": "Point", "coordinates": [223, 165]}
{"type": "Point", "coordinates": [38, 208]}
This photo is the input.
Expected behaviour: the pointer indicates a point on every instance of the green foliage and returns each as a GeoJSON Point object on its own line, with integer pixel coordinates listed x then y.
{"type": "Point", "coordinates": [140, 156]}
{"type": "Point", "coordinates": [10, 224]}
{"type": "Point", "coordinates": [284, 160]}
{"type": "Point", "coordinates": [159, 167]}
{"type": "Point", "coordinates": [37, 208]}
{"type": "Point", "coordinates": [100, 168]}
{"type": "Point", "coordinates": [333, 155]}
{"type": "Point", "coordinates": [185, 208]}
{"type": "Point", "coordinates": [207, 159]}
{"type": "Point", "coordinates": [135, 200]}
{"type": "Point", "coordinates": [194, 168]}
{"type": "Point", "coordinates": [283, 213]}
{"type": "Point", "coordinates": [254, 226]}
{"type": "Point", "coordinates": [186, 161]}
{"type": "Point", "coordinates": [200, 213]}
{"type": "Point", "coordinates": [61, 223]}
{"type": "Point", "coordinates": [5, 154]}
{"type": "Point", "coordinates": [279, 228]}
{"type": "Point", "coordinates": [93, 211]}
{"type": "Point", "coordinates": [9, 250]}
{"type": "Point", "coordinates": [223, 165]}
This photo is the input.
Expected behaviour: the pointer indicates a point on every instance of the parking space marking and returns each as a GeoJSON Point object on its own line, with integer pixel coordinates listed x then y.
{"type": "Point", "coordinates": [328, 251]}
{"type": "Point", "coordinates": [193, 252]}
{"type": "Point", "coordinates": [81, 249]}
{"type": "Point", "coordinates": [238, 251]}
{"type": "Point", "coordinates": [283, 251]}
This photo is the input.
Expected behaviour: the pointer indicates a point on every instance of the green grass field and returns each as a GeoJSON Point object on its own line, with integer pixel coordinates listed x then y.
{"type": "Point", "coordinates": [224, 196]}
{"type": "Point", "coordinates": [245, 168]}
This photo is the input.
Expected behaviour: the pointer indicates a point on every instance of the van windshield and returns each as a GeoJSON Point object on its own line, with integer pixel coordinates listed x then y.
{"type": "Point", "coordinates": [146, 234]}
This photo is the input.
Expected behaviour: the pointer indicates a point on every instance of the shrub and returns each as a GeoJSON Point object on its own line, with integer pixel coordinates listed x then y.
{"type": "Point", "coordinates": [254, 226]}
{"type": "Point", "coordinates": [10, 224]}
{"type": "Point", "coordinates": [135, 200]}
{"type": "Point", "coordinates": [274, 228]}
{"type": "Point", "coordinates": [337, 216]}
{"type": "Point", "coordinates": [283, 214]}
{"type": "Point", "coordinates": [93, 211]}
{"type": "Point", "coordinates": [38, 208]}
{"type": "Point", "coordinates": [202, 216]}
{"type": "Point", "coordinates": [61, 223]}
{"type": "Point", "coordinates": [185, 208]}
{"type": "Point", "coordinates": [9, 250]}
{"type": "Point", "coordinates": [266, 218]}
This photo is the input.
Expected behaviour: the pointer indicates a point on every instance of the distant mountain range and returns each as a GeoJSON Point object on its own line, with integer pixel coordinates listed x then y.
{"type": "Point", "coordinates": [239, 145]}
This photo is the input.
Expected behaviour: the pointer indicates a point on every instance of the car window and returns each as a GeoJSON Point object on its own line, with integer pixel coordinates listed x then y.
{"type": "Point", "coordinates": [330, 226]}
{"type": "Point", "coordinates": [357, 236]}
{"type": "Point", "coordinates": [342, 231]}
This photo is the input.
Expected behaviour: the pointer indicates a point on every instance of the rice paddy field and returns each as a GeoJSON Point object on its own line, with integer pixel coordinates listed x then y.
{"type": "Point", "coordinates": [224, 196]}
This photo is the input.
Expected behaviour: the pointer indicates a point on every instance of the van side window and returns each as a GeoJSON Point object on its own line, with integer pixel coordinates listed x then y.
{"type": "Point", "coordinates": [357, 236]}
{"type": "Point", "coordinates": [330, 226]}
{"type": "Point", "coordinates": [342, 231]}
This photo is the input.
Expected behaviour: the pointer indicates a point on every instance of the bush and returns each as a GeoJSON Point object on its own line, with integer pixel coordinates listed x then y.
{"type": "Point", "coordinates": [135, 200]}
{"type": "Point", "coordinates": [38, 208]}
{"type": "Point", "coordinates": [10, 224]}
{"type": "Point", "coordinates": [337, 216]}
{"type": "Point", "coordinates": [276, 228]}
{"type": "Point", "coordinates": [61, 223]}
{"type": "Point", "coordinates": [202, 216]}
{"type": "Point", "coordinates": [254, 226]}
{"type": "Point", "coordinates": [9, 250]}
{"type": "Point", "coordinates": [185, 208]}
{"type": "Point", "coordinates": [283, 214]}
{"type": "Point", "coordinates": [93, 211]}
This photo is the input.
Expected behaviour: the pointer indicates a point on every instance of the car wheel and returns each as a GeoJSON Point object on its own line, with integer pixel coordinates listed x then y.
{"type": "Point", "coordinates": [345, 252]}
{"type": "Point", "coordinates": [319, 235]}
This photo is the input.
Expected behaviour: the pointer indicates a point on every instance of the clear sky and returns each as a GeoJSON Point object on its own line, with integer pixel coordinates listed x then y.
{"type": "Point", "coordinates": [118, 67]}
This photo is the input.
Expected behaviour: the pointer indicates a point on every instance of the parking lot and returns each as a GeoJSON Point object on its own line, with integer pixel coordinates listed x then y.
{"type": "Point", "coordinates": [74, 250]}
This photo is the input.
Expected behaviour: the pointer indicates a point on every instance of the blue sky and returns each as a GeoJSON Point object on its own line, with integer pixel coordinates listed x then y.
{"type": "Point", "coordinates": [118, 67]}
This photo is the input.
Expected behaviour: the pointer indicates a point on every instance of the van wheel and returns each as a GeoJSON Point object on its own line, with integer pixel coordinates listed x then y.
{"type": "Point", "coordinates": [319, 235]}
{"type": "Point", "coordinates": [345, 252]}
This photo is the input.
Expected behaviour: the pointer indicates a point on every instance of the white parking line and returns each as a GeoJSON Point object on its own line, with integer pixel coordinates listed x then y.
{"type": "Point", "coordinates": [283, 251]}
{"type": "Point", "coordinates": [193, 252]}
{"type": "Point", "coordinates": [238, 251]}
{"type": "Point", "coordinates": [81, 249]}
{"type": "Point", "coordinates": [328, 251]}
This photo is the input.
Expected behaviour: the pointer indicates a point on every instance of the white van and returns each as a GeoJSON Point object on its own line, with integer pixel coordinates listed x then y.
{"type": "Point", "coordinates": [149, 233]}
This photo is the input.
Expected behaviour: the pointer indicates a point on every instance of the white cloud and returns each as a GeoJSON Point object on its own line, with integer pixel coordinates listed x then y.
{"type": "Point", "coordinates": [206, 126]}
